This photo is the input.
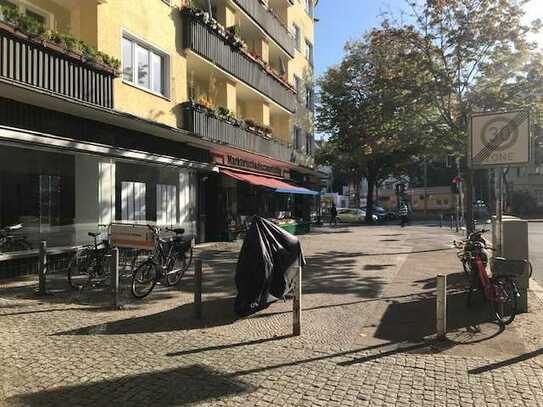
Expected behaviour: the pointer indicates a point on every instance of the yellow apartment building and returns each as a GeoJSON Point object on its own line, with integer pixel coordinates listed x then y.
{"type": "Point", "coordinates": [179, 112]}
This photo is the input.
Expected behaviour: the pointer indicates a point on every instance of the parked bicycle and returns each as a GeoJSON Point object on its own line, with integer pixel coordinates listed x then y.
{"type": "Point", "coordinates": [499, 289]}
{"type": "Point", "coordinates": [10, 242]}
{"type": "Point", "coordinates": [170, 260]}
{"type": "Point", "coordinates": [88, 266]}
{"type": "Point", "coordinates": [467, 246]}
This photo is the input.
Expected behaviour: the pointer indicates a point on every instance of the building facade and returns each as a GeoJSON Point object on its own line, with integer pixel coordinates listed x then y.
{"type": "Point", "coordinates": [190, 113]}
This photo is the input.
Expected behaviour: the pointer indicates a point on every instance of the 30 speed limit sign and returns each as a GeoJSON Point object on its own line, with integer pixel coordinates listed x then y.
{"type": "Point", "coordinates": [499, 139]}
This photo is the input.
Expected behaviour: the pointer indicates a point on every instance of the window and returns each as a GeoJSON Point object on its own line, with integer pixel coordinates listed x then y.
{"type": "Point", "coordinates": [299, 86]}
{"type": "Point", "coordinates": [309, 52]}
{"type": "Point", "coordinates": [309, 143]}
{"type": "Point", "coordinates": [297, 138]}
{"type": "Point", "coordinates": [297, 37]}
{"type": "Point", "coordinates": [309, 7]}
{"type": "Point", "coordinates": [133, 201]}
{"type": "Point", "coordinates": [144, 66]}
{"type": "Point", "coordinates": [166, 204]}
{"type": "Point", "coordinates": [39, 15]}
{"type": "Point", "coordinates": [309, 98]}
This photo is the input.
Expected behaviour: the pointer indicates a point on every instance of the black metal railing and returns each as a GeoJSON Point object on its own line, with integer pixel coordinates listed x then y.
{"type": "Point", "coordinates": [32, 63]}
{"type": "Point", "coordinates": [203, 40]}
{"type": "Point", "coordinates": [269, 22]}
{"type": "Point", "coordinates": [217, 130]}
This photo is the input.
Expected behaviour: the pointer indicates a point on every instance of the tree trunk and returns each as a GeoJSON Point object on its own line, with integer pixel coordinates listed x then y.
{"type": "Point", "coordinates": [369, 198]}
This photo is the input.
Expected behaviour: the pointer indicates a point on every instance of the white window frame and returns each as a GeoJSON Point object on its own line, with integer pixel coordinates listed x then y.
{"type": "Point", "coordinates": [166, 204]}
{"type": "Point", "coordinates": [153, 48]}
{"type": "Point", "coordinates": [297, 39]}
{"type": "Point", "coordinates": [23, 6]}
{"type": "Point", "coordinates": [309, 49]}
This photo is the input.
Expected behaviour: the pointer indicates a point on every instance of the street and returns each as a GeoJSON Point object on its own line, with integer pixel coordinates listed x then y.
{"type": "Point", "coordinates": [535, 234]}
{"type": "Point", "coordinates": [367, 336]}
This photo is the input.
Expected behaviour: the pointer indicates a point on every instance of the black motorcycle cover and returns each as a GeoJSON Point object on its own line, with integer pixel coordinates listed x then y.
{"type": "Point", "coordinates": [264, 272]}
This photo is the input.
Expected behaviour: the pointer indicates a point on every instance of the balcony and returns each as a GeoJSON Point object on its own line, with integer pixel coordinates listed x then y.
{"type": "Point", "coordinates": [209, 41]}
{"type": "Point", "coordinates": [38, 64]}
{"type": "Point", "coordinates": [202, 123]}
{"type": "Point", "coordinates": [269, 22]}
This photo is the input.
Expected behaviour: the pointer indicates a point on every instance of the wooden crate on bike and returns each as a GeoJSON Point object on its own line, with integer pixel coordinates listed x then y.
{"type": "Point", "coordinates": [519, 269]}
{"type": "Point", "coordinates": [131, 236]}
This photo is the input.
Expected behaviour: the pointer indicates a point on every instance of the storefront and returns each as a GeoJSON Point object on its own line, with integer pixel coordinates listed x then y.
{"type": "Point", "coordinates": [61, 188]}
{"type": "Point", "coordinates": [241, 189]}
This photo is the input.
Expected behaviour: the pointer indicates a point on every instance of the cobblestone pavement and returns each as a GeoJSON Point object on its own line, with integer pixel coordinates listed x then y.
{"type": "Point", "coordinates": [367, 329]}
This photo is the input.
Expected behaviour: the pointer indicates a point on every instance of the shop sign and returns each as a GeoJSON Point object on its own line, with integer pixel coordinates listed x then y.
{"type": "Point", "coordinates": [238, 162]}
{"type": "Point", "coordinates": [132, 236]}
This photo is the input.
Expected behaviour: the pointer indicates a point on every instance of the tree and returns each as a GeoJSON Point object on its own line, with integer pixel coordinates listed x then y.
{"type": "Point", "coordinates": [372, 108]}
{"type": "Point", "coordinates": [474, 52]}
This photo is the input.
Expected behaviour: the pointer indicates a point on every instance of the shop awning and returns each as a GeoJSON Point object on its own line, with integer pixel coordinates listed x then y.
{"type": "Point", "coordinates": [267, 182]}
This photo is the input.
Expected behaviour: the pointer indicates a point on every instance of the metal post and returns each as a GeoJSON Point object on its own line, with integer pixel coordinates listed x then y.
{"type": "Point", "coordinates": [441, 306]}
{"type": "Point", "coordinates": [499, 210]}
{"type": "Point", "coordinates": [297, 302]}
{"type": "Point", "coordinates": [115, 278]}
{"type": "Point", "coordinates": [198, 288]}
{"type": "Point", "coordinates": [42, 289]}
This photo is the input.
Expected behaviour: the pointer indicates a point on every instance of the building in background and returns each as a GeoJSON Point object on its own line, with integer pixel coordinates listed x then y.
{"type": "Point", "coordinates": [156, 111]}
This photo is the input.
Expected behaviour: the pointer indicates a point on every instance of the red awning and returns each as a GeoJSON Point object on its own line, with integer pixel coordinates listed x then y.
{"type": "Point", "coordinates": [272, 183]}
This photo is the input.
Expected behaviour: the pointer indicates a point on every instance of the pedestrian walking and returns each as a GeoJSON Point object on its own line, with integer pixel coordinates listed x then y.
{"type": "Point", "coordinates": [404, 219]}
{"type": "Point", "coordinates": [333, 214]}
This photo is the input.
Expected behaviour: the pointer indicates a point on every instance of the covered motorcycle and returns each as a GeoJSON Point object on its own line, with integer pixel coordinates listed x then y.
{"type": "Point", "coordinates": [264, 272]}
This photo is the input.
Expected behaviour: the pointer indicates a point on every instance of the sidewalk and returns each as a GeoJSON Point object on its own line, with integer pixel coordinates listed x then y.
{"type": "Point", "coordinates": [367, 339]}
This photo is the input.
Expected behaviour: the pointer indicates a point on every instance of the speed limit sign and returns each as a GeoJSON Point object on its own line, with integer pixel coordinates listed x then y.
{"type": "Point", "coordinates": [499, 139]}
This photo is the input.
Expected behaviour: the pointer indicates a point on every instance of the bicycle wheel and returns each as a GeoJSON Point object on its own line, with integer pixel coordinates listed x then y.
{"type": "Point", "coordinates": [144, 279]}
{"type": "Point", "coordinates": [179, 265]}
{"type": "Point", "coordinates": [505, 299]}
{"type": "Point", "coordinates": [79, 270]}
{"type": "Point", "coordinates": [15, 246]}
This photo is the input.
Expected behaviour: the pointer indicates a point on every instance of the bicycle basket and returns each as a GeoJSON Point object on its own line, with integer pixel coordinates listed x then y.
{"type": "Point", "coordinates": [508, 267]}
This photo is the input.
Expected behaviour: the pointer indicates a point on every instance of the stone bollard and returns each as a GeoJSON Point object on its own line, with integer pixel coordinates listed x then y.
{"type": "Point", "coordinates": [441, 306]}
{"type": "Point", "coordinates": [42, 272]}
{"type": "Point", "coordinates": [114, 264]}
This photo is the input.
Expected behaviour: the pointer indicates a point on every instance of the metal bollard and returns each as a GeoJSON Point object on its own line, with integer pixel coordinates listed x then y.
{"type": "Point", "coordinates": [198, 288]}
{"type": "Point", "coordinates": [297, 302]}
{"type": "Point", "coordinates": [441, 306]}
{"type": "Point", "coordinates": [114, 264]}
{"type": "Point", "coordinates": [42, 286]}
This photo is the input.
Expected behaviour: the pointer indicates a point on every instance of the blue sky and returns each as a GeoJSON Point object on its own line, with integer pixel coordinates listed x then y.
{"type": "Point", "coordinates": [343, 20]}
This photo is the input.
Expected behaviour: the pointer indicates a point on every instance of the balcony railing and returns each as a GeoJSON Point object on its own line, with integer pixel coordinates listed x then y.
{"type": "Point", "coordinates": [211, 128]}
{"type": "Point", "coordinates": [37, 64]}
{"type": "Point", "coordinates": [203, 40]}
{"type": "Point", "coordinates": [269, 23]}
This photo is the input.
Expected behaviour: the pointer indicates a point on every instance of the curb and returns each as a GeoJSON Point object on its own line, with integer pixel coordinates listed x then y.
{"type": "Point", "coordinates": [536, 289]}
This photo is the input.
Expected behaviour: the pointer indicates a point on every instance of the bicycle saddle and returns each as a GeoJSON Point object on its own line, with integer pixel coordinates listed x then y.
{"type": "Point", "coordinates": [91, 234]}
{"type": "Point", "coordinates": [178, 231]}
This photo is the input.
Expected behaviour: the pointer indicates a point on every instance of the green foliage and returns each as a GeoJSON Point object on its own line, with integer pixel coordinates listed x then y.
{"type": "Point", "coordinates": [477, 55]}
{"type": "Point", "coordinates": [523, 203]}
{"type": "Point", "coordinates": [33, 28]}
{"type": "Point", "coordinates": [372, 108]}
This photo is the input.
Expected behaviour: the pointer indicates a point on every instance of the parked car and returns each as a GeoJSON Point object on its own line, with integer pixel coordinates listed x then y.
{"type": "Point", "coordinates": [379, 212]}
{"type": "Point", "coordinates": [352, 215]}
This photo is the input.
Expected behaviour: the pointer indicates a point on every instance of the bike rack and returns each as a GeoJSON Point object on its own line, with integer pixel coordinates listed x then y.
{"type": "Point", "coordinates": [41, 254]}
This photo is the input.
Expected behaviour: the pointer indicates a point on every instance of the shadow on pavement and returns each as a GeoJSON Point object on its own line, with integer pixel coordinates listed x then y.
{"type": "Point", "coordinates": [507, 362]}
{"type": "Point", "coordinates": [217, 312]}
{"type": "Point", "coordinates": [415, 321]}
{"type": "Point", "coordinates": [172, 387]}
{"type": "Point", "coordinates": [229, 346]}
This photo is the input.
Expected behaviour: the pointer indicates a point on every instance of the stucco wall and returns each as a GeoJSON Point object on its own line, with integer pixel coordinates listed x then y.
{"type": "Point", "coordinates": [158, 24]}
